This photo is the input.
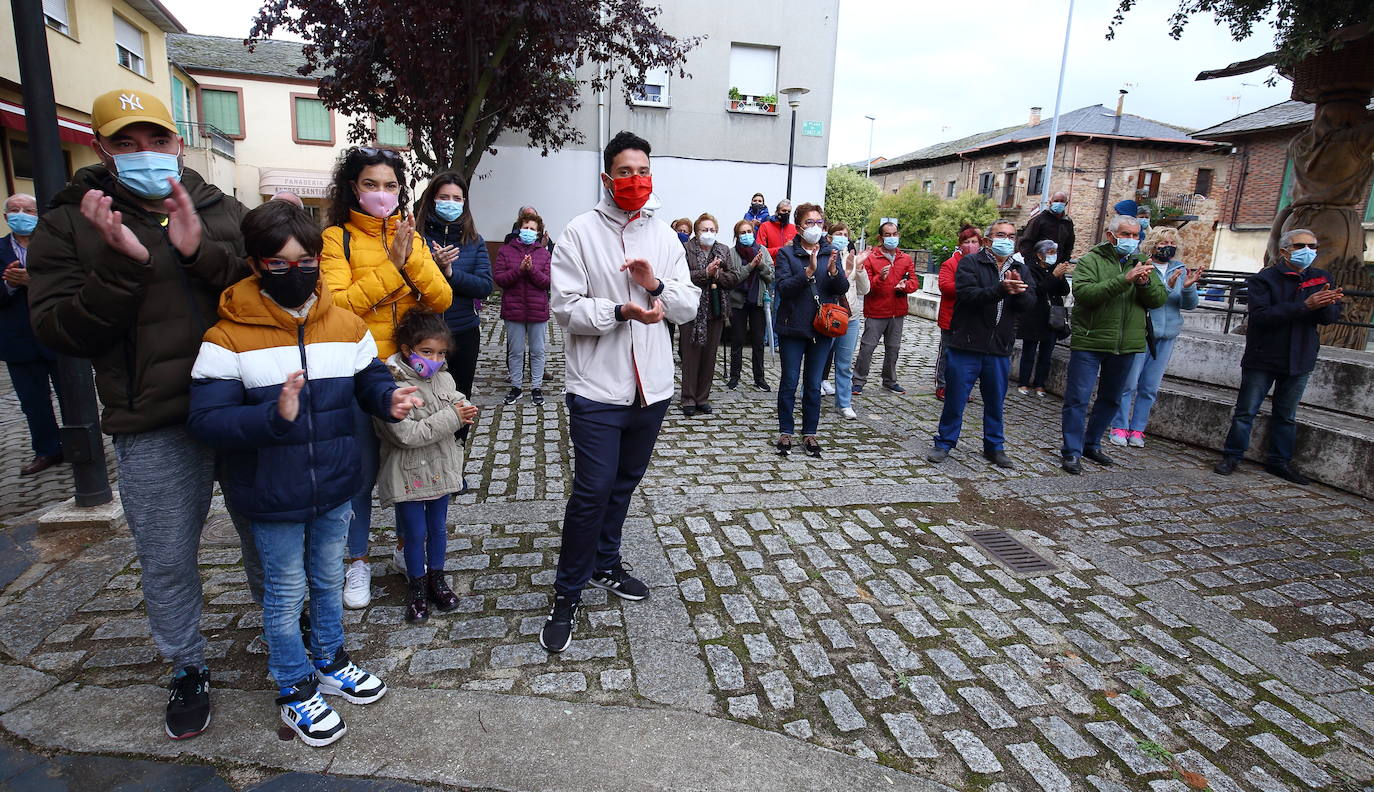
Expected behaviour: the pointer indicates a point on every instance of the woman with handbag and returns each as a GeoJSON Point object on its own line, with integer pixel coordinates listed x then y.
{"type": "Point", "coordinates": [810, 281]}
{"type": "Point", "coordinates": [1047, 321]}
{"type": "Point", "coordinates": [710, 264]}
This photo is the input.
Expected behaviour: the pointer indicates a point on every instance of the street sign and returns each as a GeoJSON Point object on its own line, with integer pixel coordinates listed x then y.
{"type": "Point", "coordinates": [813, 128]}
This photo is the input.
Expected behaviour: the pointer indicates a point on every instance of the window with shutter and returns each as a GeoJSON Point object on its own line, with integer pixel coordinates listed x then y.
{"type": "Point", "coordinates": [220, 109]}
{"type": "Point", "coordinates": [753, 72]}
{"type": "Point", "coordinates": [392, 134]}
{"type": "Point", "coordinates": [129, 46]}
{"type": "Point", "coordinates": [311, 121]}
{"type": "Point", "coordinates": [57, 15]}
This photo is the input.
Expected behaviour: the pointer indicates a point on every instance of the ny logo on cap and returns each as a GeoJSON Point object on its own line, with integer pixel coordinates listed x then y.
{"type": "Point", "coordinates": [130, 101]}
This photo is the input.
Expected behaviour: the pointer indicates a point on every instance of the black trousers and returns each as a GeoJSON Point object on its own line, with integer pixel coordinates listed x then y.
{"type": "Point", "coordinates": [462, 364]}
{"type": "Point", "coordinates": [746, 327]}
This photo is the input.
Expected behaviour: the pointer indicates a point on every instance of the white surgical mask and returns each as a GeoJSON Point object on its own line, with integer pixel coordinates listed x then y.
{"type": "Point", "coordinates": [812, 234]}
{"type": "Point", "coordinates": [707, 238]}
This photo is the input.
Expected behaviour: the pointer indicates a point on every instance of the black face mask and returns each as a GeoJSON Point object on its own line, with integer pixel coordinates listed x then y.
{"type": "Point", "coordinates": [291, 288]}
{"type": "Point", "coordinates": [782, 217]}
{"type": "Point", "coordinates": [1165, 253]}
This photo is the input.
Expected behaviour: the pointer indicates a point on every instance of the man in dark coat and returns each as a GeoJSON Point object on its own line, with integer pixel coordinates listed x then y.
{"type": "Point", "coordinates": [1054, 224]}
{"type": "Point", "coordinates": [32, 367]}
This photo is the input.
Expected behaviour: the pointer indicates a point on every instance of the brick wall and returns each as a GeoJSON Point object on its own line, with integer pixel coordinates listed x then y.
{"type": "Point", "coordinates": [1252, 191]}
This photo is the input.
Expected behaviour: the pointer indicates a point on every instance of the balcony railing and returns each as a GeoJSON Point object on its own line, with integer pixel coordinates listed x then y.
{"type": "Point", "coordinates": [207, 136]}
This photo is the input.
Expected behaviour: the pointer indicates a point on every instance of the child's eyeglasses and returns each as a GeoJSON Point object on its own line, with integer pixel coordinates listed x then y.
{"type": "Point", "coordinates": [278, 266]}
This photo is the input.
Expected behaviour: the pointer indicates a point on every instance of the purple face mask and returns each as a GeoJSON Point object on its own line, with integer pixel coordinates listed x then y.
{"type": "Point", "coordinates": [425, 367]}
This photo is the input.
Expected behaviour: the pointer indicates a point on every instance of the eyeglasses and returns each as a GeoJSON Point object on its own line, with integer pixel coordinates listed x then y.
{"type": "Point", "coordinates": [1004, 235]}
{"type": "Point", "coordinates": [278, 266]}
{"type": "Point", "coordinates": [386, 153]}
{"type": "Point", "coordinates": [814, 222]}
{"type": "Point", "coordinates": [1297, 245]}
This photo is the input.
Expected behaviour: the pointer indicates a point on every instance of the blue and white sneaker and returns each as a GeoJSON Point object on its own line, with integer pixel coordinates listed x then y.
{"type": "Point", "coordinates": [309, 715]}
{"type": "Point", "coordinates": [342, 678]}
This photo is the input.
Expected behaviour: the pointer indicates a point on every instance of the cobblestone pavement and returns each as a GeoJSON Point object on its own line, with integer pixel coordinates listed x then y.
{"type": "Point", "coordinates": [1192, 631]}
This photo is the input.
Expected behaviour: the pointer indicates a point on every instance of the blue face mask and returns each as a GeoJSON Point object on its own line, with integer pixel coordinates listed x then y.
{"type": "Point", "coordinates": [747, 239]}
{"type": "Point", "coordinates": [891, 242]}
{"type": "Point", "coordinates": [20, 223]}
{"type": "Point", "coordinates": [1051, 259]}
{"type": "Point", "coordinates": [145, 173]}
{"type": "Point", "coordinates": [683, 236]}
{"type": "Point", "coordinates": [448, 211]}
{"type": "Point", "coordinates": [1125, 246]}
{"type": "Point", "coordinates": [840, 243]}
{"type": "Point", "coordinates": [1302, 258]}
{"type": "Point", "coordinates": [528, 235]}
{"type": "Point", "coordinates": [1144, 224]}
{"type": "Point", "coordinates": [1058, 207]}
{"type": "Point", "coordinates": [1003, 247]}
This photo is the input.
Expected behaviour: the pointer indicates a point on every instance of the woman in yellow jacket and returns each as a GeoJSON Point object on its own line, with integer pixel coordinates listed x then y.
{"type": "Point", "coordinates": [375, 265]}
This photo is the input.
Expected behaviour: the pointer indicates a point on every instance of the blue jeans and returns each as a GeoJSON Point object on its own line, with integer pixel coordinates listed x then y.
{"type": "Point", "coordinates": [1084, 368]}
{"type": "Point", "coordinates": [1283, 424]}
{"type": "Point", "coordinates": [962, 369]}
{"type": "Point", "coordinates": [519, 337]}
{"type": "Point", "coordinates": [423, 526]}
{"type": "Point", "coordinates": [803, 360]}
{"type": "Point", "coordinates": [844, 362]}
{"type": "Point", "coordinates": [1142, 387]}
{"type": "Point", "coordinates": [368, 451]}
{"type": "Point", "coordinates": [612, 446]}
{"type": "Point", "coordinates": [296, 557]}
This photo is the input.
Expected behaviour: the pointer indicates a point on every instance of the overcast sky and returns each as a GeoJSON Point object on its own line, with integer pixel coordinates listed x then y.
{"type": "Point", "coordinates": [933, 70]}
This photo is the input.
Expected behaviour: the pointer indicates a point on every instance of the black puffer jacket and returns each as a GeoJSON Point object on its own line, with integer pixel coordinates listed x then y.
{"type": "Point", "coordinates": [140, 324]}
{"type": "Point", "coordinates": [975, 326]}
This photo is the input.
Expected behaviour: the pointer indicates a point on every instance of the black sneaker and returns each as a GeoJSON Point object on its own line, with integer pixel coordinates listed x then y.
{"type": "Point", "coordinates": [762, 387]}
{"type": "Point", "coordinates": [1288, 474]}
{"type": "Point", "coordinates": [1226, 466]}
{"type": "Point", "coordinates": [895, 388]}
{"type": "Point", "coordinates": [557, 631]}
{"type": "Point", "coordinates": [511, 396]}
{"type": "Point", "coordinates": [537, 396]}
{"type": "Point", "coordinates": [188, 706]}
{"type": "Point", "coordinates": [619, 582]}
{"type": "Point", "coordinates": [732, 384]}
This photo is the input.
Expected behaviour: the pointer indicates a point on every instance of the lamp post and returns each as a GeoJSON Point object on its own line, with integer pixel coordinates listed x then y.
{"type": "Point", "coordinates": [872, 122]}
{"type": "Point", "coordinates": [793, 101]}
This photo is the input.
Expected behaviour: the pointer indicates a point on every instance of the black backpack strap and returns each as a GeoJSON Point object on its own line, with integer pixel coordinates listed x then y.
{"type": "Point", "coordinates": [348, 253]}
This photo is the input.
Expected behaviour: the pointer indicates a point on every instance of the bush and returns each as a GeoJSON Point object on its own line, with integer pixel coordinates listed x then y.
{"type": "Point", "coordinates": [929, 222]}
{"type": "Point", "coordinates": [970, 207]}
{"type": "Point", "coordinates": [849, 197]}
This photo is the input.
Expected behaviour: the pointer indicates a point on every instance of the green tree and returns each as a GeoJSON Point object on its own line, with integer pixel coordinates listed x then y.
{"type": "Point", "coordinates": [970, 207]}
{"type": "Point", "coordinates": [914, 209]}
{"type": "Point", "coordinates": [849, 197]}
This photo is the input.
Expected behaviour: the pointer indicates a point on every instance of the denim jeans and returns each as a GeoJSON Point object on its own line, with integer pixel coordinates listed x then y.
{"type": "Point", "coordinates": [1142, 387]}
{"type": "Point", "coordinates": [1037, 353]}
{"type": "Point", "coordinates": [962, 369]}
{"type": "Point", "coordinates": [424, 527]}
{"type": "Point", "coordinates": [368, 453]}
{"type": "Point", "coordinates": [1283, 424]}
{"type": "Point", "coordinates": [1084, 368]}
{"type": "Point", "coordinates": [844, 362]}
{"type": "Point", "coordinates": [521, 336]}
{"type": "Point", "coordinates": [803, 360]}
{"type": "Point", "coordinates": [297, 557]}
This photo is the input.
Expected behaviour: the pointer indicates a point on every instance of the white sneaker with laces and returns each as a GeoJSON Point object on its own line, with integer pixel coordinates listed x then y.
{"type": "Point", "coordinates": [357, 591]}
{"type": "Point", "coordinates": [849, 413]}
{"type": "Point", "coordinates": [827, 389]}
{"type": "Point", "coordinates": [398, 562]}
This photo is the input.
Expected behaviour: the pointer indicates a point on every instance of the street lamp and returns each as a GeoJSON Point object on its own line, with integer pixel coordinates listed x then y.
{"type": "Point", "coordinates": [793, 101]}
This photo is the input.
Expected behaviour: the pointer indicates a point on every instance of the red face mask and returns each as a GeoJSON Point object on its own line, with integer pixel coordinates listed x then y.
{"type": "Point", "coordinates": [632, 192]}
{"type": "Point", "coordinates": [970, 247]}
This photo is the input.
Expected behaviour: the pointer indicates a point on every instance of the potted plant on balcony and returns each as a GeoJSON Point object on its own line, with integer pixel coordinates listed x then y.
{"type": "Point", "coordinates": [735, 98]}
{"type": "Point", "coordinates": [768, 104]}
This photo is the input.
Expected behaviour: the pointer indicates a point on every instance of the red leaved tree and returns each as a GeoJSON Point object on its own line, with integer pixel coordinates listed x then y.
{"type": "Point", "coordinates": [457, 75]}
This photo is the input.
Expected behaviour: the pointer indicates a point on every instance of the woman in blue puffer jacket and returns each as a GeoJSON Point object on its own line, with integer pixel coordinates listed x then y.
{"type": "Point", "coordinates": [462, 255]}
{"type": "Point", "coordinates": [1147, 370]}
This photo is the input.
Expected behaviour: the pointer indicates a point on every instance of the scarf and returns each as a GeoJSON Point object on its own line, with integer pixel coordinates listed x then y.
{"type": "Point", "coordinates": [750, 285]}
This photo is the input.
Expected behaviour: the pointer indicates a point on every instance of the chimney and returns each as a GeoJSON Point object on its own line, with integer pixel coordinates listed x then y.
{"type": "Point", "coordinates": [1035, 116]}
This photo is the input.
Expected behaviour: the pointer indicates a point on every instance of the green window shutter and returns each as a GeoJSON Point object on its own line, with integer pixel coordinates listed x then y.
{"type": "Point", "coordinates": [1369, 205]}
{"type": "Point", "coordinates": [312, 120]}
{"type": "Point", "coordinates": [220, 109]}
{"type": "Point", "coordinates": [391, 133]}
{"type": "Point", "coordinates": [1285, 193]}
{"type": "Point", "coordinates": [179, 108]}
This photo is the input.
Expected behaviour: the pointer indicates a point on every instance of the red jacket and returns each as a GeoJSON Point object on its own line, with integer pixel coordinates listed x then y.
{"type": "Point", "coordinates": [886, 297]}
{"type": "Point", "coordinates": [947, 293]}
{"type": "Point", "coordinates": [773, 236]}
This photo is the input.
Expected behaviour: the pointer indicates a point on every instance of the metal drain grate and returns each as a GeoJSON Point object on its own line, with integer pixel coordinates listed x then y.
{"type": "Point", "coordinates": [1010, 552]}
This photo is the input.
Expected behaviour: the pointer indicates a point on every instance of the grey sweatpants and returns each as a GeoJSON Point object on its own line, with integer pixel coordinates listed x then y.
{"type": "Point", "coordinates": [890, 332]}
{"type": "Point", "coordinates": [165, 481]}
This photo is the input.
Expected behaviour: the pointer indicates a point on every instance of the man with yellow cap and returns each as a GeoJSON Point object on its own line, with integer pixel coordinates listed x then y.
{"type": "Point", "coordinates": [126, 268]}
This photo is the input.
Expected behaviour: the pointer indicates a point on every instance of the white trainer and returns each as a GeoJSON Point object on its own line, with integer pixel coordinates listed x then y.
{"type": "Point", "coordinates": [849, 413]}
{"type": "Point", "coordinates": [827, 389]}
{"type": "Point", "coordinates": [357, 591]}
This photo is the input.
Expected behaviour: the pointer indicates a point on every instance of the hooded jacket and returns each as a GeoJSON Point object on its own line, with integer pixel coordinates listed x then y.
{"type": "Point", "coordinates": [366, 282]}
{"type": "Point", "coordinates": [421, 460]}
{"type": "Point", "coordinates": [774, 235]}
{"type": "Point", "coordinates": [885, 298]}
{"type": "Point", "coordinates": [470, 275]}
{"type": "Point", "coordinates": [139, 322]}
{"type": "Point", "coordinates": [608, 360]}
{"type": "Point", "coordinates": [277, 470]}
{"type": "Point", "coordinates": [524, 293]}
{"type": "Point", "coordinates": [1109, 311]}
{"type": "Point", "coordinates": [1282, 333]}
{"type": "Point", "coordinates": [976, 326]}
{"type": "Point", "coordinates": [798, 296]}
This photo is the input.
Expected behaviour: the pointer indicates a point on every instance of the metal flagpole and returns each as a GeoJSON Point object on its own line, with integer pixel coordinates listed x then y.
{"type": "Point", "coordinates": [1045, 191]}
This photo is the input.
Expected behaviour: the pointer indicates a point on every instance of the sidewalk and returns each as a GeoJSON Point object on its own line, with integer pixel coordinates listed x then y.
{"type": "Point", "coordinates": [814, 624]}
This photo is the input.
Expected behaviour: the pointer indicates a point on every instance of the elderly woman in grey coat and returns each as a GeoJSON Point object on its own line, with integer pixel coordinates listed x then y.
{"type": "Point", "coordinates": [709, 263]}
{"type": "Point", "coordinates": [755, 266]}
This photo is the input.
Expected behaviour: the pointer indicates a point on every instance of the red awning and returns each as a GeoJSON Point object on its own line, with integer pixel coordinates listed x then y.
{"type": "Point", "coordinates": [69, 131]}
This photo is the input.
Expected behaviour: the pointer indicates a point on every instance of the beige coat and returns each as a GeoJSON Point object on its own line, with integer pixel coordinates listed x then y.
{"type": "Point", "coordinates": [421, 459]}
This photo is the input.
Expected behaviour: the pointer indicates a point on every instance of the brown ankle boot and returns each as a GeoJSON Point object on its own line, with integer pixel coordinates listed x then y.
{"type": "Point", "coordinates": [439, 593]}
{"type": "Point", "coordinates": [417, 609]}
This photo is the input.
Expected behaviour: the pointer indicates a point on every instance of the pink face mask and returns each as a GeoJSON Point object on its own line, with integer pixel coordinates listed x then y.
{"type": "Point", "coordinates": [378, 203]}
{"type": "Point", "coordinates": [970, 247]}
{"type": "Point", "coordinates": [425, 367]}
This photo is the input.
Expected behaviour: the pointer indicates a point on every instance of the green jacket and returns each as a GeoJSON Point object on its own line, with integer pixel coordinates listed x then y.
{"type": "Point", "coordinates": [1108, 310]}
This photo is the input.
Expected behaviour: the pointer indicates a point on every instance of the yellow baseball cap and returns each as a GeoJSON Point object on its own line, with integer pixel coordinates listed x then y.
{"type": "Point", "coordinates": [117, 109]}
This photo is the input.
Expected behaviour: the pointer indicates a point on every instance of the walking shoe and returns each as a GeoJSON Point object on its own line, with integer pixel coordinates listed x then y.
{"type": "Point", "coordinates": [937, 454]}
{"type": "Point", "coordinates": [1118, 437]}
{"type": "Point", "coordinates": [309, 715]}
{"type": "Point", "coordinates": [732, 384]}
{"type": "Point", "coordinates": [849, 413]}
{"type": "Point", "coordinates": [999, 458]}
{"type": "Point", "coordinates": [895, 388]}
{"type": "Point", "coordinates": [1096, 455]}
{"type": "Point", "coordinates": [1226, 466]}
{"type": "Point", "coordinates": [398, 560]}
{"type": "Point", "coordinates": [705, 408]}
{"type": "Point", "coordinates": [762, 387]}
{"type": "Point", "coordinates": [688, 410]}
{"type": "Point", "coordinates": [1288, 474]}
{"type": "Point", "coordinates": [811, 446]}
{"type": "Point", "coordinates": [357, 591]}
{"type": "Point", "coordinates": [511, 396]}
{"type": "Point", "coordinates": [438, 591]}
{"type": "Point", "coordinates": [537, 396]}
{"type": "Point", "coordinates": [939, 394]}
{"type": "Point", "coordinates": [1040, 392]}
{"type": "Point", "coordinates": [856, 390]}
{"type": "Point", "coordinates": [620, 582]}
{"type": "Point", "coordinates": [1136, 440]}
{"type": "Point", "coordinates": [1071, 464]}
{"type": "Point", "coordinates": [557, 631]}
{"type": "Point", "coordinates": [827, 389]}
{"type": "Point", "coordinates": [784, 444]}
{"type": "Point", "coordinates": [1023, 390]}
{"type": "Point", "coordinates": [340, 677]}
{"type": "Point", "coordinates": [417, 607]}
{"type": "Point", "coordinates": [188, 706]}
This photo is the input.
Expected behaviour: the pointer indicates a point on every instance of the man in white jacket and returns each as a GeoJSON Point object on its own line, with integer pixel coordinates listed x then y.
{"type": "Point", "coordinates": [617, 273]}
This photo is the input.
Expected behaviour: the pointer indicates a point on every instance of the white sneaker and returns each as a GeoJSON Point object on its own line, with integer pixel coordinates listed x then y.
{"type": "Point", "coordinates": [1023, 390]}
{"type": "Point", "coordinates": [827, 389]}
{"type": "Point", "coordinates": [1117, 437]}
{"type": "Point", "coordinates": [849, 413]}
{"type": "Point", "coordinates": [398, 562]}
{"type": "Point", "coordinates": [357, 591]}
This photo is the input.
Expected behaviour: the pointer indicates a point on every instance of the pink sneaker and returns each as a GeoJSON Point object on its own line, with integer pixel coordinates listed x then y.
{"type": "Point", "coordinates": [1118, 437]}
{"type": "Point", "coordinates": [1136, 440]}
